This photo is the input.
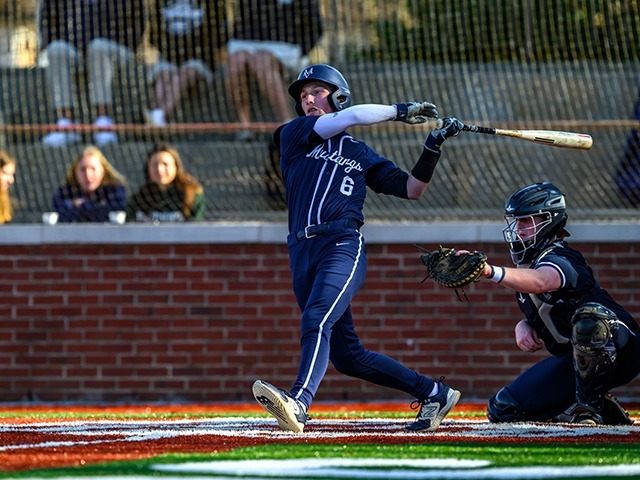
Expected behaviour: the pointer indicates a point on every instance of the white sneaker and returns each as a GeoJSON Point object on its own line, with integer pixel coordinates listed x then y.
{"type": "Point", "coordinates": [289, 413]}
{"type": "Point", "coordinates": [434, 409]}
{"type": "Point", "coordinates": [155, 117]}
{"type": "Point", "coordinates": [60, 139]}
{"type": "Point", "coordinates": [103, 138]}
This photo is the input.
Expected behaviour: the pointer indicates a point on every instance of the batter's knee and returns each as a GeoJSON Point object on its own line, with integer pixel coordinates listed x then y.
{"type": "Point", "coordinates": [503, 407]}
{"type": "Point", "coordinates": [343, 364]}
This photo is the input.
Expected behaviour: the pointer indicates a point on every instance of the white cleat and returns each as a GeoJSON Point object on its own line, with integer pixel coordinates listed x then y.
{"type": "Point", "coordinates": [279, 403]}
{"type": "Point", "coordinates": [435, 408]}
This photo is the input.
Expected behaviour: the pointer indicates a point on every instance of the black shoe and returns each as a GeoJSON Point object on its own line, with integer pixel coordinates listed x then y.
{"type": "Point", "coordinates": [434, 409]}
{"type": "Point", "coordinates": [279, 403]}
{"type": "Point", "coordinates": [613, 413]}
{"type": "Point", "coordinates": [581, 414]}
{"type": "Point", "coordinates": [588, 417]}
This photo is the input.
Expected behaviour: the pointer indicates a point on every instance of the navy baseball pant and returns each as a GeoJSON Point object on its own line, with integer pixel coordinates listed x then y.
{"type": "Point", "coordinates": [327, 272]}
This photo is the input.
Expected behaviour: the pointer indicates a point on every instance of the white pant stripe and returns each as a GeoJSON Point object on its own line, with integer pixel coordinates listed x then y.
{"type": "Point", "coordinates": [326, 317]}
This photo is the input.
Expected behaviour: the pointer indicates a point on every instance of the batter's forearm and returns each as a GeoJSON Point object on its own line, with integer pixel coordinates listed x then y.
{"type": "Point", "coordinates": [426, 164]}
{"type": "Point", "coordinates": [333, 123]}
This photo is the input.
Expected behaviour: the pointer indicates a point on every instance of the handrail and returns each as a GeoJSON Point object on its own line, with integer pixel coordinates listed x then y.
{"type": "Point", "coordinates": [267, 127]}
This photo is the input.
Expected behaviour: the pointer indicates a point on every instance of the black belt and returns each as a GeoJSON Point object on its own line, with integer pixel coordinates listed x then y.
{"type": "Point", "coordinates": [322, 228]}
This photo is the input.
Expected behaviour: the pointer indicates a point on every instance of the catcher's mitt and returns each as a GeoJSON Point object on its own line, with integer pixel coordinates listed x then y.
{"type": "Point", "coordinates": [451, 270]}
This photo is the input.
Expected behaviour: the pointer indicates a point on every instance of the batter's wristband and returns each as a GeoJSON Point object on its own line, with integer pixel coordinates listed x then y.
{"type": "Point", "coordinates": [426, 164]}
{"type": "Point", "coordinates": [402, 110]}
{"type": "Point", "coordinates": [434, 141]}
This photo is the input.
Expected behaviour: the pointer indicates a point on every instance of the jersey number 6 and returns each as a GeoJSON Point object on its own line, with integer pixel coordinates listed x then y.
{"type": "Point", "coordinates": [347, 186]}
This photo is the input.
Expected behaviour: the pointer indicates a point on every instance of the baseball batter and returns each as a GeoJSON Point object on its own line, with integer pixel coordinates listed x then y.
{"type": "Point", "coordinates": [593, 341]}
{"type": "Point", "coordinates": [326, 173]}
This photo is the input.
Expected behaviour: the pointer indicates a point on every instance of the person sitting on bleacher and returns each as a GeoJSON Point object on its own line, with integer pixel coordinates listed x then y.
{"type": "Point", "coordinates": [92, 188]}
{"type": "Point", "coordinates": [7, 178]}
{"type": "Point", "coordinates": [270, 41]}
{"type": "Point", "coordinates": [169, 193]}
{"type": "Point", "coordinates": [99, 35]}
{"type": "Point", "coordinates": [188, 35]}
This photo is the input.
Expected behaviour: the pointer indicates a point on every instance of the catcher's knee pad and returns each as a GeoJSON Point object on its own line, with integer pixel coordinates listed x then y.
{"type": "Point", "coordinates": [594, 359]}
{"type": "Point", "coordinates": [502, 407]}
{"type": "Point", "coordinates": [591, 333]}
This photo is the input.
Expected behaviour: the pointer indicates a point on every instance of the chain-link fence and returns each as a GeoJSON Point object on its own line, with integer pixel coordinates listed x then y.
{"type": "Point", "coordinates": [530, 64]}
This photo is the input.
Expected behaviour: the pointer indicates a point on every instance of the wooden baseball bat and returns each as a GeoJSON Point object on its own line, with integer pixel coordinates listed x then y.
{"type": "Point", "coordinates": [579, 141]}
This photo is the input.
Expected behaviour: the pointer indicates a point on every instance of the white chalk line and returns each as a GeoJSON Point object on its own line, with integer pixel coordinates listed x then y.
{"type": "Point", "coordinates": [393, 469]}
{"type": "Point", "coordinates": [357, 469]}
{"type": "Point", "coordinates": [112, 431]}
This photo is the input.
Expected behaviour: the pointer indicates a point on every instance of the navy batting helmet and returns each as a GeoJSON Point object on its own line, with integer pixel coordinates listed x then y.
{"type": "Point", "coordinates": [340, 97]}
{"type": "Point", "coordinates": [540, 200]}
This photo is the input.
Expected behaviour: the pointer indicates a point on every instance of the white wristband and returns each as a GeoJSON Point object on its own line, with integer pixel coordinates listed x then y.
{"type": "Point", "coordinates": [497, 274]}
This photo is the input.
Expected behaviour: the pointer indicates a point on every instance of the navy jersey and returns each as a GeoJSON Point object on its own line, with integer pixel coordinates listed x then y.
{"type": "Point", "coordinates": [550, 313]}
{"type": "Point", "coordinates": [334, 172]}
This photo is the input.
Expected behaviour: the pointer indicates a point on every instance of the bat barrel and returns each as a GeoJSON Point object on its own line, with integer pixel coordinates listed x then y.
{"type": "Point", "coordinates": [578, 141]}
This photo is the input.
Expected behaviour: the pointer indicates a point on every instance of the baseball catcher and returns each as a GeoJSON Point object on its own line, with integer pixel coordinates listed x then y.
{"type": "Point", "coordinates": [594, 343]}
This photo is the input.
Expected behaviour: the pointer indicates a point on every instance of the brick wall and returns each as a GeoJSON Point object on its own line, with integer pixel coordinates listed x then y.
{"type": "Point", "coordinates": [202, 322]}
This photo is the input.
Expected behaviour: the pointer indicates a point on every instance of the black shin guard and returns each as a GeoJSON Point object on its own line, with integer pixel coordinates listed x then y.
{"type": "Point", "coordinates": [594, 360]}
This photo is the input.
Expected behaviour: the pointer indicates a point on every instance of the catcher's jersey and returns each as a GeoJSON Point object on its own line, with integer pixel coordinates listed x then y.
{"type": "Point", "coordinates": [326, 180]}
{"type": "Point", "coordinates": [550, 313]}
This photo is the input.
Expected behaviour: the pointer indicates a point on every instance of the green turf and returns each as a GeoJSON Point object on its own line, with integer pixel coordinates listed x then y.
{"type": "Point", "coordinates": [8, 414]}
{"type": "Point", "coordinates": [500, 455]}
{"type": "Point", "coordinates": [120, 416]}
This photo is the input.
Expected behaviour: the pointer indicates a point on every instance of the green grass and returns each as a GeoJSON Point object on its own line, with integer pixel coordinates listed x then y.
{"type": "Point", "coordinates": [500, 455]}
{"type": "Point", "coordinates": [70, 415]}
{"type": "Point", "coordinates": [120, 416]}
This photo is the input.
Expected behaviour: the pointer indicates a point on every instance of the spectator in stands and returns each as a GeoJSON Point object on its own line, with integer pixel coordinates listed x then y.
{"type": "Point", "coordinates": [270, 41]}
{"type": "Point", "coordinates": [188, 35]}
{"type": "Point", "coordinates": [169, 193]}
{"type": "Point", "coordinates": [100, 35]}
{"type": "Point", "coordinates": [7, 172]}
{"type": "Point", "coordinates": [92, 189]}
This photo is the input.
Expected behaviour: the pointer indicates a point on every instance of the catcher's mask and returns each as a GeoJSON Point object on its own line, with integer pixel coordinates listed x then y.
{"type": "Point", "coordinates": [595, 311]}
{"type": "Point", "coordinates": [535, 216]}
{"type": "Point", "coordinates": [340, 97]}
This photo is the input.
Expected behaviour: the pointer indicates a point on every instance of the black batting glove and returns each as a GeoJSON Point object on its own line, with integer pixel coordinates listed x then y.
{"type": "Point", "coordinates": [450, 127]}
{"type": "Point", "coordinates": [415, 112]}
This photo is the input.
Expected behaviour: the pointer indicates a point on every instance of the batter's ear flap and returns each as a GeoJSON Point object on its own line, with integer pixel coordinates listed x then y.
{"type": "Point", "coordinates": [276, 136]}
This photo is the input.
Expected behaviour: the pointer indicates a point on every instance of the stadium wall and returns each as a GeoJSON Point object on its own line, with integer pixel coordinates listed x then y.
{"type": "Point", "coordinates": [175, 313]}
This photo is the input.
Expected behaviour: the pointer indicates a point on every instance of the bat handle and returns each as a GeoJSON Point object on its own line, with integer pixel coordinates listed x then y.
{"type": "Point", "coordinates": [477, 129]}
{"type": "Point", "coordinates": [470, 128]}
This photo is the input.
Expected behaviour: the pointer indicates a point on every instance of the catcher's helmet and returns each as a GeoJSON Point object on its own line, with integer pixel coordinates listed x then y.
{"type": "Point", "coordinates": [595, 311]}
{"type": "Point", "coordinates": [340, 97]}
{"type": "Point", "coordinates": [534, 201]}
